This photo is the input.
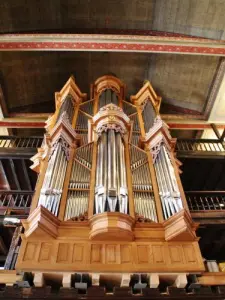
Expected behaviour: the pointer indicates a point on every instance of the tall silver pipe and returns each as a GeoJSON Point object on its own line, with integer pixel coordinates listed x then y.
{"type": "Point", "coordinates": [111, 145]}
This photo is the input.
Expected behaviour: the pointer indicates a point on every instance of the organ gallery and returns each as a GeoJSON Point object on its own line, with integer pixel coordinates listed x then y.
{"type": "Point", "coordinates": [108, 199]}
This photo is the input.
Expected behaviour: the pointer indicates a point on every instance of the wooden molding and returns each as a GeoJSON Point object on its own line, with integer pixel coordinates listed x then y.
{"type": "Point", "coordinates": [147, 92]}
{"type": "Point", "coordinates": [9, 277]}
{"type": "Point", "coordinates": [111, 226]}
{"type": "Point", "coordinates": [42, 223]}
{"type": "Point", "coordinates": [70, 88]}
{"type": "Point", "coordinates": [64, 129]}
{"type": "Point", "coordinates": [180, 227]}
{"type": "Point", "coordinates": [111, 115]}
{"type": "Point", "coordinates": [159, 131]}
{"type": "Point", "coordinates": [212, 278]}
{"type": "Point", "coordinates": [108, 81]}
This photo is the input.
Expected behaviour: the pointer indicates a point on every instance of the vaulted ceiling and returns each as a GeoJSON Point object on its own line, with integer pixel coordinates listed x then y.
{"type": "Point", "coordinates": [29, 79]}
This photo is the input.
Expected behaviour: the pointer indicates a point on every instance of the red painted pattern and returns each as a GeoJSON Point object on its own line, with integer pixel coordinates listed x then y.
{"type": "Point", "coordinates": [125, 47]}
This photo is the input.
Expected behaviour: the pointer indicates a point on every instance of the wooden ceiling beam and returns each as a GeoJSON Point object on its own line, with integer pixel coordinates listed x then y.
{"type": "Point", "coordinates": [216, 131]}
{"type": "Point", "coordinates": [222, 136]}
{"type": "Point", "coordinates": [14, 174]}
{"type": "Point", "coordinates": [23, 122]}
{"type": "Point", "coordinates": [178, 123]}
{"type": "Point", "coordinates": [4, 183]}
{"type": "Point", "coordinates": [3, 248]}
{"type": "Point", "coordinates": [3, 103]}
{"type": "Point", "coordinates": [112, 43]}
{"type": "Point", "coordinates": [26, 175]}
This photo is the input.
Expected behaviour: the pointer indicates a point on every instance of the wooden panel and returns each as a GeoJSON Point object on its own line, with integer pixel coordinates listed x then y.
{"type": "Point", "coordinates": [175, 253]}
{"type": "Point", "coordinates": [143, 253]}
{"type": "Point", "coordinates": [125, 254]}
{"type": "Point", "coordinates": [96, 253]}
{"type": "Point", "coordinates": [158, 254]}
{"type": "Point", "coordinates": [30, 252]}
{"type": "Point", "coordinates": [111, 254]}
{"type": "Point", "coordinates": [111, 257]}
{"type": "Point", "coordinates": [45, 252]}
{"type": "Point", "coordinates": [189, 253]}
{"type": "Point", "coordinates": [63, 253]}
{"type": "Point", "coordinates": [78, 253]}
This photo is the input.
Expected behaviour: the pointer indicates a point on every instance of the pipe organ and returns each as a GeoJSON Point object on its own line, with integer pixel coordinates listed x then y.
{"type": "Point", "coordinates": [109, 196]}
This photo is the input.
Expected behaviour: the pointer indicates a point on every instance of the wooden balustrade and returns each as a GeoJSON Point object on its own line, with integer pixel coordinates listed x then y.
{"type": "Point", "coordinates": [182, 145]}
{"type": "Point", "coordinates": [202, 147]}
{"type": "Point", "coordinates": [16, 202]}
{"type": "Point", "coordinates": [20, 141]}
{"type": "Point", "coordinates": [205, 200]}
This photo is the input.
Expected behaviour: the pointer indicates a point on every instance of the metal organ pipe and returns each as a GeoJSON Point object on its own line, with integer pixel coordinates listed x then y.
{"type": "Point", "coordinates": [55, 174]}
{"type": "Point", "coordinates": [108, 96]}
{"type": "Point", "coordinates": [111, 185]}
{"type": "Point", "coordinates": [168, 188]}
{"type": "Point", "coordinates": [67, 107]}
{"type": "Point", "coordinates": [149, 115]}
{"type": "Point", "coordinates": [54, 178]}
{"type": "Point", "coordinates": [144, 202]}
{"type": "Point", "coordinates": [79, 184]}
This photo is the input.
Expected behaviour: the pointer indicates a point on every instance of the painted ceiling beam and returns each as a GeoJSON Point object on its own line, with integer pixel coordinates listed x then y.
{"type": "Point", "coordinates": [22, 122]}
{"type": "Point", "coordinates": [112, 43]}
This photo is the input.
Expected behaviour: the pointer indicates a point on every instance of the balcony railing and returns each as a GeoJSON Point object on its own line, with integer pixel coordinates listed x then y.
{"type": "Point", "coordinates": [206, 201]}
{"type": "Point", "coordinates": [200, 147]}
{"type": "Point", "coordinates": [20, 142]}
{"type": "Point", "coordinates": [15, 202]}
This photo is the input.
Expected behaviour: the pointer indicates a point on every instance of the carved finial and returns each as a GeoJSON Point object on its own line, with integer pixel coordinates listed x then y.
{"type": "Point", "coordinates": [145, 81]}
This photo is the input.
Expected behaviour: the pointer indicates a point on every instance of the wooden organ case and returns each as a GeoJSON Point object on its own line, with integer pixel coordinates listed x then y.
{"type": "Point", "coordinates": [108, 196]}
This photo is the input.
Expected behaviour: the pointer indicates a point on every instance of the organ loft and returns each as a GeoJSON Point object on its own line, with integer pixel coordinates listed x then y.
{"type": "Point", "coordinates": [108, 204]}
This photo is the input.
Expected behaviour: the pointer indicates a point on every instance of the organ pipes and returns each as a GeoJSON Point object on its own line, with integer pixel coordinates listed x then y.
{"type": "Point", "coordinates": [87, 107]}
{"type": "Point", "coordinates": [108, 96]}
{"type": "Point", "coordinates": [54, 178]}
{"type": "Point", "coordinates": [77, 204]}
{"type": "Point", "coordinates": [149, 115]}
{"type": "Point", "coordinates": [167, 183]}
{"type": "Point", "coordinates": [79, 184]}
{"type": "Point", "coordinates": [144, 202]}
{"type": "Point", "coordinates": [111, 184]}
{"type": "Point", "coordinates": [68, 108]}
